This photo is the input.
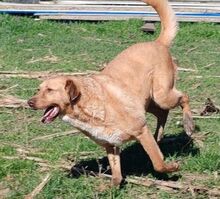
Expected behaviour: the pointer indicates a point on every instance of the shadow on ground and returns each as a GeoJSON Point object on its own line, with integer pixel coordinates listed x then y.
{"type": "Point", "coordinates": [135, 161]}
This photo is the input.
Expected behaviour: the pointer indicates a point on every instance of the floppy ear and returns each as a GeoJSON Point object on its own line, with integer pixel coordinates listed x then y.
{"type": "Point", "coordinates": [72, 91]}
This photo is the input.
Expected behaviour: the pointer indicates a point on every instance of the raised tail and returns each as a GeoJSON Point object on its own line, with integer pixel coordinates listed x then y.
{"type": "Point", "coordinates": [168, 20]}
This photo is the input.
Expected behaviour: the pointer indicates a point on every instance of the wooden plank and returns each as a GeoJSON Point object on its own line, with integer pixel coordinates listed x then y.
{"type": "Point", "coordinates": [107, 18]}
{"type": "Point", "coordinates": [106, 7]}
{"type": "Point", "coordinates": [98, 6]}
{"type": "Point", "coordinates": [134, 3]}
{"type": "Point", "coordinates": [83, 11]}
{"type": "Point", "coordinates": [109, 7]}
{"type": "Point", "coordinates": [127, 2]}
{"type": "Point", "coordinates": [131, 14]}
{"type": "Point", "coordinates": [207, 5]}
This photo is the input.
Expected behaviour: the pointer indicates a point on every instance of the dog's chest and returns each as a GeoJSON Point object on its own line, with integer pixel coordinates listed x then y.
{"type": "Point", "coordinates": [97, 133]}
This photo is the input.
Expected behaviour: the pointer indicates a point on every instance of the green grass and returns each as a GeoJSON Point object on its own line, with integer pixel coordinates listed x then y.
{"type": "Point", "coordinates": [26, 44]}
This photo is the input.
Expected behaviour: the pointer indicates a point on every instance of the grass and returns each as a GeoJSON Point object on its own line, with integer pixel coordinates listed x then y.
{"type": "Point", "coordinates": [51, 46]}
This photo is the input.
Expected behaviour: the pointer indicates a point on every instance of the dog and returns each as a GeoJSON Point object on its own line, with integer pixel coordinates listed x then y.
{"type": "Point", "coordinates": [110, 107]}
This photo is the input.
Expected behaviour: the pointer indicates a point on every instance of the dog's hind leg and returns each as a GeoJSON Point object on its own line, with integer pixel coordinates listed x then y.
{"type": "Point", "coordinates": [165, 95]}
{"type": "Point", "coordinates": [161, 116]}
{"type": "Point", "coordinates": [188, 123]}
{"type": "Point", "coordinates": [150, 146]}
{"type": "Point", "coordinates": [170, 98]}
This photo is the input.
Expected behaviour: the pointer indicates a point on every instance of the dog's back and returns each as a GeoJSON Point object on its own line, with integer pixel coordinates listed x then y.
{"type": "Point", "coordinates": [135, 66]}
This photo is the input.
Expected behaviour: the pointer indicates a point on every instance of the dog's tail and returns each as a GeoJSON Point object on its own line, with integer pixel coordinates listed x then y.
{"type": "Point", "coordinates": [168, 20]}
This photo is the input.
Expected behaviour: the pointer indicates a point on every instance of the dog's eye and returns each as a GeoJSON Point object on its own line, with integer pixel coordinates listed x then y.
{"type": "Point", "coordinates": [37, 91]}
{"type": "Point", "coordinates": [49, 89]}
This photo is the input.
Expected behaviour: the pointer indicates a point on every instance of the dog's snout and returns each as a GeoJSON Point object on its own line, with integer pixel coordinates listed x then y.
{"type": "Point", "coordinates": [31, 103]}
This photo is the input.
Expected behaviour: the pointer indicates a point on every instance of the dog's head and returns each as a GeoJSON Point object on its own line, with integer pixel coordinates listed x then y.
{"type": "Point", "coordinates": [55, 96]}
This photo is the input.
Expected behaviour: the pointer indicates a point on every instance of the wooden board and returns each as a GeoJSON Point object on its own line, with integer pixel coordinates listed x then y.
{"type": "Point", "coordinates": [107, 18]}
{"type": "Point", "coordinates": [131, 2]}
{"type": "Point", "coordinates": [137, 3]}
{"type": "Point", "coordinates": [177, 8]}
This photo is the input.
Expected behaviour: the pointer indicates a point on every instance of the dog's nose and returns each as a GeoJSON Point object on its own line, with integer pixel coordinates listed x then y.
{"type": "Point", "coordinates": [31, 103]}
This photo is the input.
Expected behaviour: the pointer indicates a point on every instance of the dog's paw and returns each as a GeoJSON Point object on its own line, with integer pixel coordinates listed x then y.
{"type": "Point", "coordinates": [167, 167]}
{"type": "Point", "coordinates": [172, 167]}
{"type": "Point", "coordinates": [188, 124]}
{"type": "Point", "coordinates": [116, 181]}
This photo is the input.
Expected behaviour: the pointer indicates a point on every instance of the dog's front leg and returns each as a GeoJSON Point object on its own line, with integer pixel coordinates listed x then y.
{"type": "Point", "coordinates": [115, 164]}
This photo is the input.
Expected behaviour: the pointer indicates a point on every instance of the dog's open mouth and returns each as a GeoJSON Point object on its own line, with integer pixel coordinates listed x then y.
{"type": "Point", "coordinates": [50, 114]}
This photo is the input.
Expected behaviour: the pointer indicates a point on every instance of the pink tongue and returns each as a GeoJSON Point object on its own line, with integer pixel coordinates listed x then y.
{"type": "Point", "coordinates": [50, 115]}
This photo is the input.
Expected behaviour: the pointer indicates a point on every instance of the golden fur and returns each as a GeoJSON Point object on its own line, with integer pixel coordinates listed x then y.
{"type": "Point", "coordinates": [110, 107]}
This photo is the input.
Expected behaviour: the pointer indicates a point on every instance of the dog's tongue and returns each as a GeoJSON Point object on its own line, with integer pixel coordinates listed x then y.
{"type": "Point", "coordinates": [50, 114]}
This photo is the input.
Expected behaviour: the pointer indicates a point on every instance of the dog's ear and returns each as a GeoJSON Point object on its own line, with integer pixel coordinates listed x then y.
{"type": "Point", "coordinates": [72, 91]}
